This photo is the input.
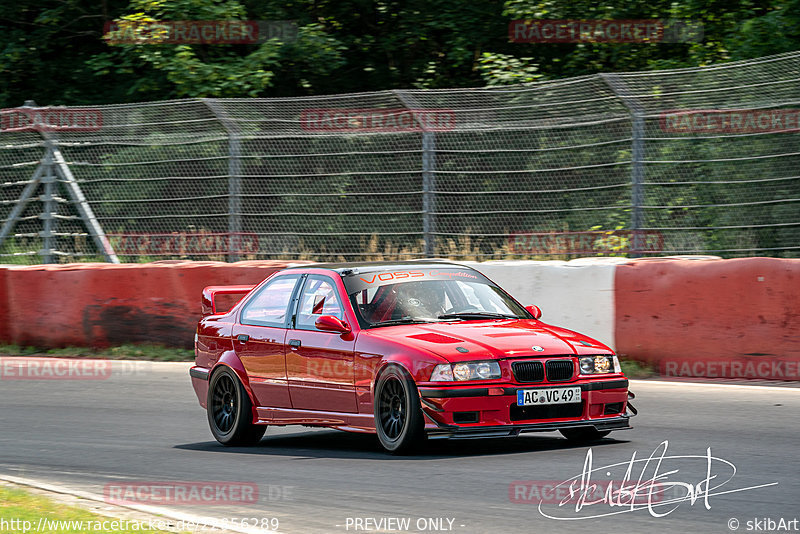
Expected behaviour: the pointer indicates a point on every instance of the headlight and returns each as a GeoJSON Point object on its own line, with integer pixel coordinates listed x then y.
{"type": "Point", "coordinates": [465, 371]}
{"type": "Point", "coordinates": [599, 365]}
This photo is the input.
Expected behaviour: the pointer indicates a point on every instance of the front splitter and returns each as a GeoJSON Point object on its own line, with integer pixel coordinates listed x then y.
{"type": "Point", "coordinates": [460, 432]}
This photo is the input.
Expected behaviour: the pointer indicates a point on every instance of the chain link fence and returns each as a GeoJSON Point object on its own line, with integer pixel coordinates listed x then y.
{"type": "Point", "coordinates": [700, 160]}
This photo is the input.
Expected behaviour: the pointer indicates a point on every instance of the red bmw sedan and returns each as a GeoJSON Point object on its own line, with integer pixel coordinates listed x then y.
{"type": "Point", "coordinates": [407, 351]}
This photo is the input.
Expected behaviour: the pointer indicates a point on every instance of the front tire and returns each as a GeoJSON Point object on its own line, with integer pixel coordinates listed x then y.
{"type": "Point", "coordinates": [230, 412]}
{"type": "Point", "coordinates": [584, 435]}
{"type": "Point", "coordinates": [398, 416]}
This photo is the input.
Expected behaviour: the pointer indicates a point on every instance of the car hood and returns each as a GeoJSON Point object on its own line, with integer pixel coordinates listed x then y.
{"type": "Point", "coordinates": [491, 339]}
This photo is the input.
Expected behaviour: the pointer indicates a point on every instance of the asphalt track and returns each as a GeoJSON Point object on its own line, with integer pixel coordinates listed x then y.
{"type": "Point", "coordinates": [144, 424]}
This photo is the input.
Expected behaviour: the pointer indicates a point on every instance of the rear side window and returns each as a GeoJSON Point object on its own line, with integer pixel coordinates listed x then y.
{"type": "Point", "coordinates": [270, 306]}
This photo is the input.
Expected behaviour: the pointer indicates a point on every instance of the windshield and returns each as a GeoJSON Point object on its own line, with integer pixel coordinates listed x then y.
{"type": "Point", "coordinates": [425, 295]}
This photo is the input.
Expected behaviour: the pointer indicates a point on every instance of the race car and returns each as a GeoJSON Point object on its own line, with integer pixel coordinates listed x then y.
{"type": "Point", "coordinates": [408, 351]}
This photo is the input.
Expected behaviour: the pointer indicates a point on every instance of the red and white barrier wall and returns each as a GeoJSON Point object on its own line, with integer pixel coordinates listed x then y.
{"type": "Point", "coordinates": [706, 317]}
{"type": "Point", "coordinates": [736, 318]}
{"type": "Point", "coordinates": [102, 304]}
{"type": "Point", "coordinates": [688, 317]}
{"type": "Point", "coordinates": [577, 294]}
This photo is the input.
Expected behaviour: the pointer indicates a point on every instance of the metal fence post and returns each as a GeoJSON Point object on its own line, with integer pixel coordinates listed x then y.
{"type": "Point", "coordinates": [637, 158]}
{"type": "Point", "coordinates": [428, 174]}
{"type": "Point", "coordinates": [53, 167]}
{"type": "Point", "coordinates": [234, 178]}
{"type": "Point", "coordinates": [637, 185]}
{"type": "Point", "coordinates": [82, 206]}
{"type": "Point", "coordinates": [429, 192]}
{"type": "Point", "coordinates": [234, 196]}
{"type": "Point", "coordinates": [48, 212]}
{"type": "Point", "coordinates": [22, 203]}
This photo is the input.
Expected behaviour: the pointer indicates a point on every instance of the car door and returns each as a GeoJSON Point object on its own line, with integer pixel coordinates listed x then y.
{"type": "Point", "coordinates": [259, 336]}
{"type": "Point", "coordinates": [320, 364]}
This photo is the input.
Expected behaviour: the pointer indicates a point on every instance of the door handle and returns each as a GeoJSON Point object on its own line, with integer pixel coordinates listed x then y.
{"type": "Point", "coordinates": [294, 343]}
{"type": "Point", "coordinates": [242, 338]}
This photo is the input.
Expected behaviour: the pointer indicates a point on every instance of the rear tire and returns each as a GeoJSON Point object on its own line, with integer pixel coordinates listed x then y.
{"type": "Point", "coordinates": [230, 412]}
{"type": "Point", "coordinates": [398, 417]}
{"type": "Point", "coordinates": [584, 435]}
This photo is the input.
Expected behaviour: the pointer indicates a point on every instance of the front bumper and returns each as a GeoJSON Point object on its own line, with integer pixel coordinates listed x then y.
{"type": "Point", "coordinates": [481, 411]}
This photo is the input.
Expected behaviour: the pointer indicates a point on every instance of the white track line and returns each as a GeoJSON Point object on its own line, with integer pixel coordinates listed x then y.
{"type": "Point", "coordinates": [152, 510]}
{"type": "Point", "coordinates": [680, 383]}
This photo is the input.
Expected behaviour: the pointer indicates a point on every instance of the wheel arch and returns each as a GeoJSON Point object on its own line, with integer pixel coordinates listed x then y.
{"type": "Point", "coordinates": [231, 361]}
{"type": "Point", "coordinates": [403, 361]}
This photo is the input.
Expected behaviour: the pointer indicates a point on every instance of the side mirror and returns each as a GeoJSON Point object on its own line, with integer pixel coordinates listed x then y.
{"type": "Point", "coordinates": [329, 323]}
{"type": "Point", "coordinates": [535, 311]}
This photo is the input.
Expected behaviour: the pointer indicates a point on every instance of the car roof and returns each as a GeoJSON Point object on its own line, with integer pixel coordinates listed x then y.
{"type": "Point", "coordinates": [369, 266]}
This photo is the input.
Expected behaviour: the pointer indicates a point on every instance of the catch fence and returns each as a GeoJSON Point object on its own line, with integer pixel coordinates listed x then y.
{"type": "Point", "coordinates": [690, 161]}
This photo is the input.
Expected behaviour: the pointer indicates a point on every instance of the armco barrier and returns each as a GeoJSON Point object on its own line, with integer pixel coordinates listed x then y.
{"type": "Point", "coordinates": [105, 304]}
{"type": "Point", "coordinates": [737, 318]}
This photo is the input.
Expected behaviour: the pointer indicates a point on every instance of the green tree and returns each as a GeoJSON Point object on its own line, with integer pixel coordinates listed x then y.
{"type": "Point", "coordinates": [53, 51]}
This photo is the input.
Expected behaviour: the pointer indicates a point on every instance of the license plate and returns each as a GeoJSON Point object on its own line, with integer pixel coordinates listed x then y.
{"type": "Point", "coordinates": [531, 397]}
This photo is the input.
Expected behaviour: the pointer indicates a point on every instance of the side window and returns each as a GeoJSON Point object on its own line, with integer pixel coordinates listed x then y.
{"type": "Point", "coordinates": [319, 298]}
{"type": "Point", "coordinates": [269, 306]}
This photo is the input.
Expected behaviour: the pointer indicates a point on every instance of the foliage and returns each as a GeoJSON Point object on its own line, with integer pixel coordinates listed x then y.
{"type": "Point", "coordinates": [53, 51]}
{"type": "Point", "coordinates": [635, 369]}
{"type": "Point", "coordinates": [503, 69]}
